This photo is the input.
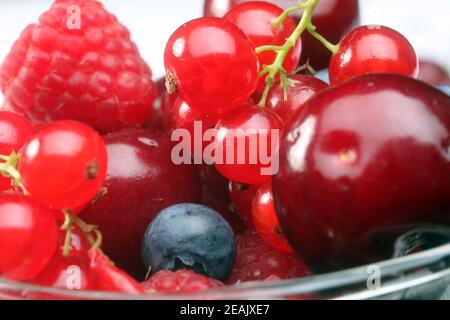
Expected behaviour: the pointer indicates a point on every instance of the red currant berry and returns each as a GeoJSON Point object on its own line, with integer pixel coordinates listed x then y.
{"type": "Point", "coordinates": [266, 221]}
{"type": "Point", "coordinates": [302, 89]}
{"type": "Point", "coordinates": [256, 20]}
{"type": "Point", "coordinates": [107, 277]}
{"type": "Point", "coordinates": [28, 237]}
{"type": "Point", "coordinates": [246, 144]}
{"type": "Point", "coordinates": [184, 117]}
{"type": "Point", "coordinates": [71, 273]}
{"type": "Point", "coordinates": [64, 165]}
{"type": "Point", "coordinates": [212, 65]}
{"type": "Point", "coordinates": [242, 196]}
{"type": "Point", "coordinates": [373, 49]}
{"type": "Point", "coordinates": [365, 156]}
{"type": "Point", "coordinates": [15, 131]}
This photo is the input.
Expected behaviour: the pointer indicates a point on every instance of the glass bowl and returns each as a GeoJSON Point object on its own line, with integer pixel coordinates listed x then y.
{"type": "Point", "coordinates": [424, 275]}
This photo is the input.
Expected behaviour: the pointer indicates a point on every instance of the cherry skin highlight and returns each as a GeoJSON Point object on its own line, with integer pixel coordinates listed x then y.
{"type": "Point", "coordinates": [302, 89]}
{"type": "Point", "coordinates": [201, 54]}
{"type": "Point", "coordinates": [28, 237]}
{"type": "Point", "coordinates": [141, 181]}
{"type": "Point", "coordinates": [244, 139]}
{"type": "Point", "coordinates": [255, 19]}
{"type": "Point", "coordinates": [368, 155]}
{"type": "Point", "coordinates": [373, 49]}
{"type": "Point", "coordinates": [266, 221]}
{"type": "Point", "coordinates": [64, 165]}
{"type": "Point", "coordinates": [15, 131]}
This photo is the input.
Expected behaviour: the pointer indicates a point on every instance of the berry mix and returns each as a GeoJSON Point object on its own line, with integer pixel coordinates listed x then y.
{"type": "Point", "coordinates": [89, 186]}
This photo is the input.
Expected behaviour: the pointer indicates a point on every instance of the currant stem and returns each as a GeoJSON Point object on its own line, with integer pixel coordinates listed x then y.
{"type": "Point", "coordinates": [9, 169]}
{"type": "Point", "coordinates": [332, 47]}
{"type": "Point", "coordinates": [67, 240]}
{"type": "Point", "coordinates": [279, 21]}
{"type": "Point", "coordinates": [277, 67]}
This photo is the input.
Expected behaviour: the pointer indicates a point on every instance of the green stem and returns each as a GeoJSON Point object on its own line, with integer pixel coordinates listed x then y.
{"type": "Point", "coordinates": [9, 169]}
{"type": "Point", "coordinates": [277, 67]}
{"type": "Point", "coordinates": [332, 47]}
{"type": "Point", "coordinates": [279, 21]}
{"type": "Point", "coordinates": [268, 48]}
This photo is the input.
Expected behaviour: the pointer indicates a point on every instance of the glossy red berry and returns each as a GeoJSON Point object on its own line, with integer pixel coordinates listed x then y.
{"type": "Point", "coordinates": [15, 131]}
{"type": "Point", "coordinates": [256, 20]}
{"type": "Point", "coordinates": [333, 19]}
{"type": "Point", "coordinates": [64, 165]}
{"type": "Point", "coordinates": [373, 49]}
{"type": "Point", "coordinates": [28, 237]}
{"type": "Point", "coordinates": [141, 181]}
{"type": "Point", "coordinates": [182, 281]}
{"type": "Point", "coordinates": [91, 72]}
{"type": "Point", "coordinates": [242, 196]}
{"type": "Point", "coordinates": [266, 221]}
{"type": "Point", "coordinates": [256, 261]}
{"type": "Point", "coordinates": [246, 144]}
{"type": "Point", "coordinates": [71, 273]}
{"type": "Point", "coordinates": [107, 277]}
{"type": "Point", "coordinates": [302, 88]}
{"type": "Point", "coordinates": [368, 155]}
{"type": "Point", "coordinates": [212, 65]}
{"type": "Point", "coordinates": [184, 117]}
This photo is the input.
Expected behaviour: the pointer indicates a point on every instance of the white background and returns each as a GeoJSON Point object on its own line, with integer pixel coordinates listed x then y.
{"type": "Point", "coordinates": [425, 23]}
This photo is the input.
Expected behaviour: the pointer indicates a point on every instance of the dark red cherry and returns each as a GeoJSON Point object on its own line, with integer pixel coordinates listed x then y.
{"type": "Point", "coordinates": [302, 88]}
{"type": "Point", "coordinates": [141, 181]}
{"type": "Point", "coordinates": [246, 143]}
{"type": "Point", "coordinates": [433, 73]}
{"type": "Point", "coordinates": [373, 49]}
{"type": "Point", "coordinates": [368, 155]}
{"type": "Point", "coordinates": [242, 196]}
{"type": "Point", "coordinates": [211, 63]}
{"type": "Point", "coordinates": [256, 20]}
{"type": "Point", "coordinates": [333, 19]}
{"type": "Point", "coordinates": [215, 195]}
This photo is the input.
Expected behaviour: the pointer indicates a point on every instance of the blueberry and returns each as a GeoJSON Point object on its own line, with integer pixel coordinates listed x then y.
{"type": "Point", "coordinates": [190, 236]}
{"type": "Point", "coordinates": [323, 75]}
{"type": "Point", "coordinates": [444, 88]}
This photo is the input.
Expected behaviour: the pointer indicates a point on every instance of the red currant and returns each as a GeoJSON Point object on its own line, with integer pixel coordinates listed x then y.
{"type": "Point", "coordinates": [246, 138]}
{"type": "Point", "coordinates": [109, 278]}
{"type": "Point", "coordinates": [212, 65]}
{"type": "Point", "coordinates": [184, 117]}
{"type": "Point", "coordinates": [242, 196]}
{"type": "Point", "coordinates": [70, 273]}
{"type": "Point", "coordinates": [15, 131]}
{"type": "Point", "coordinates": [302, 89]}
{"type": "Point", "coordinates": [256, 20]}
{"type": "Point", "coordinates": [28, 237]}
{"type": "Point", "coordinates": [64, 165]}
{"type": "Point", "coordinates": [266, 221]}
{"type": "Point", "coordinates": [373, 49]}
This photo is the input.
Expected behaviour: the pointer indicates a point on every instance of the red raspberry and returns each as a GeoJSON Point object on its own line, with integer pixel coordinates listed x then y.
{"type": "Point", "coordinates": [183, 281]}
{"type": "Point", "coordinates": [256, 261]}
{"type": "Point", "coordinates": [93, 73]}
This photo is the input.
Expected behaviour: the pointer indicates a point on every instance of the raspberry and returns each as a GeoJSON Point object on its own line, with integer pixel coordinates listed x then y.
{"type": "Point", "coordinates": [256, 261]}
{"type": "Point", "coordinates": [92, 74]}
{"type": "Point", "coordinates": [183, 281]}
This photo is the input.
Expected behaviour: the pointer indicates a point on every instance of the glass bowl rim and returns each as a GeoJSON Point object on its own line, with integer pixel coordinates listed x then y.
{"type": "Point", "coordinates": [255, 290]}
